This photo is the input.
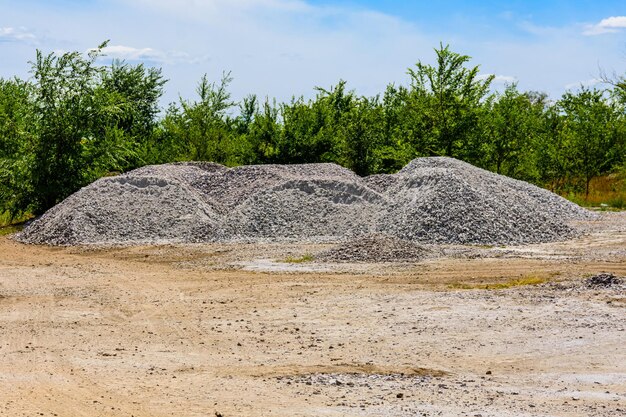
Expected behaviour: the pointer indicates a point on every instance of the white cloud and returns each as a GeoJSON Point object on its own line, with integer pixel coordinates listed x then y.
{"type": "Point", "coordinates": [150, 55]}
{"type": "Point", "coordinates": [611, 24]}
{"type": "Point", "coordinates": [9, 34]}
{"type": "Point", "coordinates": [499, 79]}
{"type": "Point", "coordinates": [585, 83]}
{"type": "Point", "coordinates": [282, 48]}
{"type": "Point", "coordinates": [505, 79]}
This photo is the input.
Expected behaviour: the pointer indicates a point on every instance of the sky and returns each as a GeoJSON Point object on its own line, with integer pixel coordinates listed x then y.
{"type": "Point", "coordinates": [285, 48]}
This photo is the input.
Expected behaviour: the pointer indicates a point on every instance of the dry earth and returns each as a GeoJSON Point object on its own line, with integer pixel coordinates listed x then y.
{"type": "Point", "coordinates": [232, 330]}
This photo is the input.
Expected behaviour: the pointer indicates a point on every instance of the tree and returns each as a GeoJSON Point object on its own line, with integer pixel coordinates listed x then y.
{"type": "Point", "coordinates": [510, 126]}
{"type": "Point", "coordinates": [66, 113]}
{"type": "Point", "coordinates": [401, 131]}
{"type": "Point", "coordinates": [591, 132]}
{"type": "Point", "coordinates": [263, 131]}
{"type": "Point", "coordinates": [308, 127]}
{"type": "Point", "coordinates": [79, 120]}
{"type": "Point", "coordinates": [15, 109]}
{"type": "Point", "coordinates": [137, 90]}
{"type": "Point", "coordinates": [203, 126]}
{"type": "Point", "coordinates": [363, 135]}
{"type": "Point", "coordinates": [451, 95]}
{"type": "Point", "coordinates": [16, 139]}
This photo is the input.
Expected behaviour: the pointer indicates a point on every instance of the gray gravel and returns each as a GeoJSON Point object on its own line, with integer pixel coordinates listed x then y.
{"type": "Point", "coordinates": [126, 209]}
{"type": "Point", "coordinates": [603, 280]}
{"type": "Point", "coordinates": [444, 200]}
{"type": "Point", "coordinates": [377, 248]}
{"type": "Point", "coordinates": [431, 200]}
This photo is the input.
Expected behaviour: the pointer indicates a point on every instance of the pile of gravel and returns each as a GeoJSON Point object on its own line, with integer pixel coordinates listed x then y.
{"type": "Point", "coordinates": [604, 280]}
{"type": "Point", "coordinates": [149, 205]}
{"type": "Point", "coordinates": [315, 202]}
{"type": "Point", "coordinates": [431, 200]}
{"type": "Point", "coordinates": [444, 200]}
{"type": "Point", "coordinates": [376, 248]}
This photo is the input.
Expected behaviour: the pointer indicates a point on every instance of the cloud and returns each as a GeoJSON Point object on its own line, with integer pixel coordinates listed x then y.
{"type": "Point", "coordinates": [282, 48]}
{"type": "Point", "coordinates": [585, 83]}
{"type": "Point", "coordinates": [130, 53]}
{"type": "Point", "coordinates": [499, 79]}
{"type": "Point", "coordinates": [505, 79]}
{"type": "Point", "coordinates": [611, 24]}
{"type": "Point", "coordinates": [9, 34]}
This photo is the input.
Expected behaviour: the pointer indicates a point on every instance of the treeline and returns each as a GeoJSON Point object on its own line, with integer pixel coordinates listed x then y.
{"type": "Point", "coordinates": [74, 121]}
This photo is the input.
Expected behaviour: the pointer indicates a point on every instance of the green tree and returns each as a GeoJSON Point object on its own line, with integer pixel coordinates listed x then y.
{"type": "Point", "coordinates": [591, 131]}
{"type": "Point", "coordinates": [264, 131]}
{"type": "Point", "coordinates": [134, 91]}
{"type": "Point", "coordinates": [79, 120]}
{"type": "Point", "coordinates": [510, 126]}
{"type": "Point", "coordinates": [137, 90]}
{"type": "Point", "coordinates": [15, 110]}
{"type": "Point", "coordinates": [401, 131]}
{"type": "Point", "coordinates": [66, 114]}
{"type": "Point", "coordinates": [363, 135]}
{"type": "Point", "coordinates": [203, 126]}
{"type": "Point", "coordinates": [16, 139]}
{"type": "Point", "coordinates": [450, 95]}
{"type": "Point", "coordinates": [307, 135]}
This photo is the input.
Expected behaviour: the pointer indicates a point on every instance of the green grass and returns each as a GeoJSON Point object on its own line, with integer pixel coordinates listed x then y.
{"type": "Point", "coordinates": [618, 201]}
{"type": "Point", "coordinates": [528, 280]}
{"type": "Point", "coordinates": [9, 230]}
{"type": "Point", "coordinates": [9, 225]}
{"type": "Point", "coordinates": [7, 220]}
{"type": "Point", "coordinates": [304, 258]}
{"type": "Point", "coordinates": [612, 201]}
{"type": "Point", "coordinates": [607, 192]}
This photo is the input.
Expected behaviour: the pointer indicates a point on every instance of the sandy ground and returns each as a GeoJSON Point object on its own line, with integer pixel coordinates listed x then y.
{"type": "Point", "coordinates": [208, 330]}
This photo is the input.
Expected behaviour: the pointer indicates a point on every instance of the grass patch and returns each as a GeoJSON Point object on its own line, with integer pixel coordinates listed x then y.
{"type": "Point", "coordinates": [10, 225]}
{"type": "Point", "coordinates": [607, 201]}
{"type": "Point", "coordinates": [9, 230]}
{"type": "Point", "coordinates": [7, 220]}
{"type": "Point", "coordinates": [607, 192]}
{"type": "Point", "coordinates": [304, 258]}
{"type": "Point", "coordinates": [519, 282]}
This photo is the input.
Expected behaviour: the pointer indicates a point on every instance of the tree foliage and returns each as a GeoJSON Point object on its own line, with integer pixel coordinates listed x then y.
{"type": "Point", "coordinates": [83, 120]}
{"type": "Point", "coordinates": [449, 94]}
{"type": "Point", "coordinates": [591, 133]}
{"type": "Point", "coordinates": [76, 120]}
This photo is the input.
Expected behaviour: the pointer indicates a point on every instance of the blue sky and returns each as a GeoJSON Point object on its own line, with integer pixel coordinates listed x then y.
{"type": "Point", "coordinates": [280, 48]}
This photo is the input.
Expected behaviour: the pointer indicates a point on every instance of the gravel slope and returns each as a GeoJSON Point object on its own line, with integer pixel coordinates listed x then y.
{"type": "Point", "coordinates": [431, 200]}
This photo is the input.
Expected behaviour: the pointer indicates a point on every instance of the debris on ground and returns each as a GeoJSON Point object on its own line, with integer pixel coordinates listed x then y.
{"type": "Point", "coordinates": [604, 280]}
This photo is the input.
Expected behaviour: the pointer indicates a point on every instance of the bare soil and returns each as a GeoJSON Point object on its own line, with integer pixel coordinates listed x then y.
{"type": "Point", "coordinates": [233, 330]}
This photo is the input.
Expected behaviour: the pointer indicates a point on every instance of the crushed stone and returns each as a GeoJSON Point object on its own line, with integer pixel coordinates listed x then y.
{"type": "Point", "coordinates": [444, 200]}
{"type": "Point", "coordinates": [377, 248]}
{"type": "Point", "coordinates": [432, 200]}
{"type": "Point", "coordinates": [604, 280]}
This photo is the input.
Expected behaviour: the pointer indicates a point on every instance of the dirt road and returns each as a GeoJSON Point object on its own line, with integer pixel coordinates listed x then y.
{"type": "Point", "coordinates": [206, 330]}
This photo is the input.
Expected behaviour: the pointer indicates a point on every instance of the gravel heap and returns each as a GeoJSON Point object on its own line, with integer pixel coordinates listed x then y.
{"type": "Point", "coordinates": [444, 200]}
{"type": "Point", "coordinates": [431, 200]}
{"type": "Point", "coordinates": [605, 280]}
{"type": "Point", "coordinates": [148, 205]}
{"type": "Point", "coordinates": [376, 248]}
{"type": "Point", "coordinates": [315, 202]}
